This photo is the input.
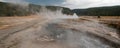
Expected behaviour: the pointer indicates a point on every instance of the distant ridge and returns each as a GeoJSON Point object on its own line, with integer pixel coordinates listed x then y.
{"type": "Point", "coordinates": [99, 11]}
{"type": "Point", "coordinates": [8, 9]}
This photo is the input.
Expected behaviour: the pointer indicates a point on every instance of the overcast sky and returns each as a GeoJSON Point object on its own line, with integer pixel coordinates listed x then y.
{"type": "Point", "coordinates": [70, 3]}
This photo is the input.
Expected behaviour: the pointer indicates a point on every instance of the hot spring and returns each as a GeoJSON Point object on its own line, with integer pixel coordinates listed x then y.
{"type": "Point", "coordinates": [62, 31]}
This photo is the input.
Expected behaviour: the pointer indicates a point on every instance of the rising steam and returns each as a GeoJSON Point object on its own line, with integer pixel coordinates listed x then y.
{"type": "Point", "coordinates": [59, 34]}
{"type": "Point", "coordinates": [54, 14]}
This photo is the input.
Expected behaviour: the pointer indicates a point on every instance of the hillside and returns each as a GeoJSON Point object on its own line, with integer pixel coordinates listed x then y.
{"type": "Point", "coordinates": [99, 11]}
{"type": "Point", "coordinates": [8, 9]}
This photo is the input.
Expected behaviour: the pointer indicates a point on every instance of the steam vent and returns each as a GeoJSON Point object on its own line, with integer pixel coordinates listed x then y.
{"type": "Point", "coordinates": [35, 24]}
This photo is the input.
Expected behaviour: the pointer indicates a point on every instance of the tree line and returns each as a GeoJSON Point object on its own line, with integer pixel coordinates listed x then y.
{"type": "Point", "coordinates": [99, 11]}
{"type": "Point", "coordinates": [8, 9]}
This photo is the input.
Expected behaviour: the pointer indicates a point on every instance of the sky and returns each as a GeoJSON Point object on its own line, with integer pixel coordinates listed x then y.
{"type": "Point", "coordinates": [73, 4]}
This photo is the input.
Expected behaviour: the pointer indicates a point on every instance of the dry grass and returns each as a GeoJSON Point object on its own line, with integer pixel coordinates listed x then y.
{"type": "Point", "coordinates": [11, 21]}
{"type": "Point", "coordinates": [110, 17]}
{"type": "Point", "coordinates": [102, 17]}
{"type": "Point", "coordinates": [3, 25]}
{"type": "Point", "coordinates": [110, 20]}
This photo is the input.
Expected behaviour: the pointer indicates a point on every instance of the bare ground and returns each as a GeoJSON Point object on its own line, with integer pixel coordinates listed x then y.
{"type": "Point", "coordinates": [68, 33]}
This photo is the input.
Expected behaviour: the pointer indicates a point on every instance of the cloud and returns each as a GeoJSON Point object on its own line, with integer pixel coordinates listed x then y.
{"type": "Point", "coordinates": [18, 1]}
{"type": "Point", "coordinates": [46, 2]}
{"type": "Point", "coordinates": [89, 3]}
{"type": "Point", "coordinates": [1, 0]}
{"type": "Point", "coordinates": [22, 2]}
{"type": "Point", "coordinates": [69, 3]}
